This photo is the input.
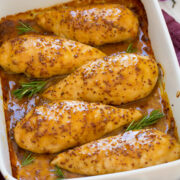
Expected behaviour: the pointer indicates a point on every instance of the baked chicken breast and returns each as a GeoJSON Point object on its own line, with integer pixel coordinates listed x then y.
{"type": "Point", "coordinates": [60, 125]}
{"type": "Point", "coordinates": [131, 150]}
{"type": "Point", "coordinates": [41, 56]}
{"type": "Point", "coordinates": [95, 24]}
{"type": "Point", "coordinates": [112, 80]}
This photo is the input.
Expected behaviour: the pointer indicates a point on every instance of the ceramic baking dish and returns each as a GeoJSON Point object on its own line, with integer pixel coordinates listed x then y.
{"type": "Point", "coordinates": [165, 55]}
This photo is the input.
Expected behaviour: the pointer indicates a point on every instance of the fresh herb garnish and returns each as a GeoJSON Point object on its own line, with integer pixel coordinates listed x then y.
{"type": "Point", "coordinates": [174, 3]}
{"type": "Point", "coordinates": [27, 159]}
{"type": "Point", "coordinates": [131, 49]}
{"type": "Point", "coordinates": [24, 28]}
{"type": "Point", "coordinates": [146, 121]}
{"type": "Point", "coordinates": [29, 89]}
{"type": "Point", "coordinates": [58, 173]}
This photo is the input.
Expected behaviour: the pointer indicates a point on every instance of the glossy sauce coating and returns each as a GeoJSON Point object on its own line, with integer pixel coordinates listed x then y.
{"type": "Point", "coordinates": [116, 80]}
{"type": "Point", "coordinates": [41, 56]}
{"type": "Point", "coordinates": [15, 110]}
{"type": "Point", "coordinates": [60, 125]}
{"type": "Point", "coordinates": [95, 24]}
{"type": "Point", "coordinates": [131, 150]}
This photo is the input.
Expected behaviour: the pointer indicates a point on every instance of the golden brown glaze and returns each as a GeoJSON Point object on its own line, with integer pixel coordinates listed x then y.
{"type": "Point", "coordinates": [43, 170]}
{"type": "Point", "coordinates": [15, 110]}
{"type": "Point", "coordinates": [131, 150]}
{"type": "Point", "coordinates": [96, 24]}
{"type": "Point", "coordinates": [60, 125]}
{"type": "Point", "coordinates": [113, 80]}
{"type": "Point", "coordinates": [41, 56]}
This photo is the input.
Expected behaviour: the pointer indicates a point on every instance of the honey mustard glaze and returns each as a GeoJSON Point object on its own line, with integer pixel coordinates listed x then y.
{"type": "Point", "coordinates": [16, 109]}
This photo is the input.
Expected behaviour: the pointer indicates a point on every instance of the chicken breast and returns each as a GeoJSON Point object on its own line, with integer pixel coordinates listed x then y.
{"type": "Point", "coordinates": [95, 24]}
{"type": "Point", "coordinates": [60, 125]}
{"type": "Point", "coordinates": [41, 56]}
{"type": "Point", "coordinates": [112, 80]}
{"type": "Point", "coordinates": [131, 150]}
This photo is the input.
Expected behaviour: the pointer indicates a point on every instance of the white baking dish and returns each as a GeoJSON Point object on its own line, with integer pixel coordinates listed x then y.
{"type": "Point", "coordinates": [165, 55]}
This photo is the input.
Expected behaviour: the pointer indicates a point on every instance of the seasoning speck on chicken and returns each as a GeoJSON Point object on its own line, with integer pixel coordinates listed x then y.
{"type": "Point", "coordinates": [41, 56]}
{"type": "Point", "coordinates": [60, 125]}
{"type": "Point", "coordinates": [114, 80]}
{"type": "Point", "coordinates": [95, 24]}
{"type": "Point", "coordinates": [131, 150]}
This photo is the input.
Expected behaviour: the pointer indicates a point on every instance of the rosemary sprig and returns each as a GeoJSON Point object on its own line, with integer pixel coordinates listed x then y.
{"type": "Point", "coordinates": [27, 159]}
{"type": "Point", "coordinates": [23, 28]}
{"type": "Point", "coordinates": [146, 121]}
{"type": "Point", "coordinates": [174, 3]}
{"type": "Point", "coordinates": [58, 173]}
{"type": "Point", "coordinates": [131, 49]}
{"type": "Point", "coordinates": [29, 89]}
